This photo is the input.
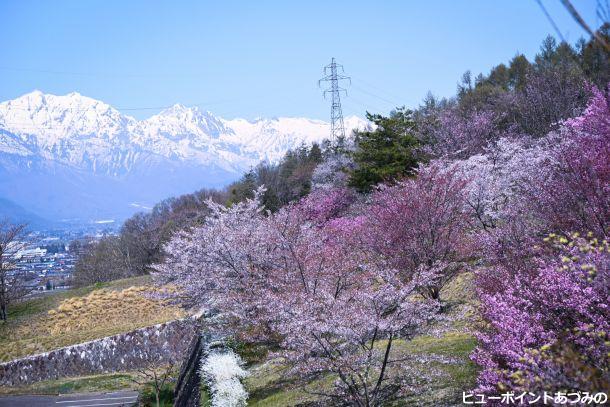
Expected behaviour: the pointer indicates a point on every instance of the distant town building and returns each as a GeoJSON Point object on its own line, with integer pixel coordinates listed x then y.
{"type": "Point", "coordinates": [31, 255]}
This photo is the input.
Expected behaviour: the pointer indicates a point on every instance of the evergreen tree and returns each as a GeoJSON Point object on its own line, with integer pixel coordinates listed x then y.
{"type": "Point", "coordinates": [595, 59]}
{"type": "Point", "coordinates": [270, 200]}
{"type": "Point", "coordinates": [315, 153]}
{"type": "Point", "coordinates": [517, 71]}
{"type": "Point", "coordinates": [244, 188]}
{"type": "Point", "coordinates": [499, 76]}
{"type": "Point", "coordinates": [386, 153]}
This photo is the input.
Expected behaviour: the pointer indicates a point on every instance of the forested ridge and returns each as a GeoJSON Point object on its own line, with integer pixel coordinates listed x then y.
{"type": "Point", "coordinates": [341, 249]}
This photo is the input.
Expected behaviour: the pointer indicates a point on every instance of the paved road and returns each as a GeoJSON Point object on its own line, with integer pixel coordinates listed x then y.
{"type": "Point", "coordinates": [116, 399]}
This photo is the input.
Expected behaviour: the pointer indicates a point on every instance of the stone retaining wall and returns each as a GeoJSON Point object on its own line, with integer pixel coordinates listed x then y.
{"type": "Point", "coordinates": [128, 351]}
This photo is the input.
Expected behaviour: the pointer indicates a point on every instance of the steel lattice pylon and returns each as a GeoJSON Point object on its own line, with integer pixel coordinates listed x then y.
{"type": "Point", "coordinates": [337, 129]}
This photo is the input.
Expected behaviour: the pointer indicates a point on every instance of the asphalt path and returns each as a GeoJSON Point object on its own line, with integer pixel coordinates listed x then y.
{"type": "Point", "coordinates": [116, 399]}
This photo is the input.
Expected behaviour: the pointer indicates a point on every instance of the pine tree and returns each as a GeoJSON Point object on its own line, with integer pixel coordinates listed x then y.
{"type": "Point", "coordinates": [315, 153]}
{"type": "Point", "coordinates": [386, 153]}
{"type": "Point", "coordinates": [517, 71]}
{"type": "Point", "coordinates": [244, 188]}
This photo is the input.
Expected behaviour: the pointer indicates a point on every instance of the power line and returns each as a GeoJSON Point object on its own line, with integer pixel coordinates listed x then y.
{"type": "Point", "coordinates": [603, 11]}
{"type": "Point", "coordinates": [376, 88]}
{"type": "Point", "coordinates": [28, 109]}
{"type": "Point", "coordinates": [337, 128]}
{"type": "Point", "coordinates": [393, 103]}
{"type": "Point", "coordinates": [351, 100]}
{"type": "Point", "coordinates": [94, 74]}
{"type": "Point", "coordinates": [130, 108]}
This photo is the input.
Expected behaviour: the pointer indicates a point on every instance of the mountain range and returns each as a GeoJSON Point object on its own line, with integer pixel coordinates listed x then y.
{"type": "Point", "coordinates": [75, 159]}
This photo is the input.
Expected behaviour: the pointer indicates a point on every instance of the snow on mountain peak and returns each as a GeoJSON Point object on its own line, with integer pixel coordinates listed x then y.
{"type": "Point", "coordinates": [176, 109]}
{"type": "Point", "coordinates": [86, 133]}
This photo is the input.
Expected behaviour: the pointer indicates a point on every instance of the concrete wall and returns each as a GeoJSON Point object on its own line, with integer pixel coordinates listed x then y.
{"type": "Point", "coordinates": [132, 350]}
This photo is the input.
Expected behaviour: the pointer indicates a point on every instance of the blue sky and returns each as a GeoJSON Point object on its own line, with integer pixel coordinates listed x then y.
{"type": "Point", "coordinates": [263, 58]}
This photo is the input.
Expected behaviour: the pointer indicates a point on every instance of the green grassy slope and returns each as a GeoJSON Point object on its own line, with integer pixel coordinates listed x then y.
{"type": "Point", "coordinates": [440, 370]}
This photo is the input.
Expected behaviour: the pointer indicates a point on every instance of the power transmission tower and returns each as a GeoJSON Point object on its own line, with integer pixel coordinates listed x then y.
{"type": "Point", "coordinates": [337, 129]}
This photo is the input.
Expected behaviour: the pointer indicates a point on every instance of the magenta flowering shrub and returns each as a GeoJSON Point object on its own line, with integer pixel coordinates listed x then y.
{"type": "Point", "coordinates": [324, 204]}
{"type": "Point", "coordinates": [564, 302]}
{"type": "Point", "coordinates": [545, 304]}
{"type": "Point", "coordinates": [572, 191]}
{"type": "Point", "coordinates": [596, 118]}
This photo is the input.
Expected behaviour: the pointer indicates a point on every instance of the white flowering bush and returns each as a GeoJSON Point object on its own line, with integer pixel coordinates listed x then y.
{"type": "Point", "coordinates": [332, 172]}
{"type": "Point", "coordinates": [222, 373]}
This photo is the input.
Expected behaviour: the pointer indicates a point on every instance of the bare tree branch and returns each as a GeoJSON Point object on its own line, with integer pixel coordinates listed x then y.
{"type": "Point", "coordinates": [576, 15]}
{"type": "Point", "coordinates": [13, 282]}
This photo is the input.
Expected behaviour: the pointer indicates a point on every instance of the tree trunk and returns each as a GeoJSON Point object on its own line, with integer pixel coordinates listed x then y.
{"type": "Point", "coordinates": [435, 293]}
{"type": "Point", "coordinates": [384, 364]}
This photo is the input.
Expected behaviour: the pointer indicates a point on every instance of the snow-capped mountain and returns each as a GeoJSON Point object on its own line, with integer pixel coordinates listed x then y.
{"type": "Point", "coordinates": [73, 155]}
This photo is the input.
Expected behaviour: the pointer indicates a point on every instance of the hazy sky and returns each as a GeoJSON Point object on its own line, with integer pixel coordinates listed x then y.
{"type": "Point", "coordinates": [263, 58]}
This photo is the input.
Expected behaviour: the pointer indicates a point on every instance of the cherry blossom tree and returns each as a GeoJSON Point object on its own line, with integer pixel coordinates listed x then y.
{"type": "Point", "coordinates": [459, 134]}
{"type": "Point", "coordinates": [323, 205]}
{"type": "Point", "coordinates": [520, 189]}
{"type": "Point", "coordinates": [305, 277]}
{"type": "Point", "coordinates": [422, 224]}
{"type": "Point", "coordinates": [334, 170]}
{"type": "Point", "coordinates": [495, 176]}
{"type": "Point", "coordinates": [495, 197]}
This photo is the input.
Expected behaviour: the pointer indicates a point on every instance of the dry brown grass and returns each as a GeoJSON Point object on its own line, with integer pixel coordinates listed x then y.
{"type": "Point", "coordinates": [108, 309]}
{"type": "Point", "coordinates": [99, 313]}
